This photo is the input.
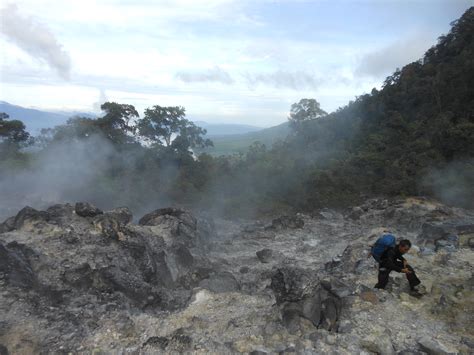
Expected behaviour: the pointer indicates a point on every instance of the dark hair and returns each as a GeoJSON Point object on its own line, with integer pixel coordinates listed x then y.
{"type": "Point", "coordinates": [405, 243]}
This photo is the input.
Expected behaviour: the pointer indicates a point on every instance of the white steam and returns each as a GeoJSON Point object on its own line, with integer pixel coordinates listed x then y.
{"type": "Point", "coordinates": [36, 39]}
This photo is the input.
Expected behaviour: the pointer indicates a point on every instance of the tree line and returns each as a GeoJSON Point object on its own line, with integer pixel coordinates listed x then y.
{"type": "Point", "coordinates": [414, 136]}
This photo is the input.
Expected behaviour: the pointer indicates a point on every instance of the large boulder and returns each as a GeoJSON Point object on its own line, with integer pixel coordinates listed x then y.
{"type": "Point", "coordinates": [101, 256]}
{"type": "Point", "coordinates": [85, 209]}
{"type": "Point", "coordinates": [264, 255]}
{"type": "Point", "coordinates": [299, 294]}
{"type": "Point", "coordinates": [15, 268]}
{"type": "Point", "coordinates": [121, 214]}
{"type": "Point", "coordinates": [182, 225]}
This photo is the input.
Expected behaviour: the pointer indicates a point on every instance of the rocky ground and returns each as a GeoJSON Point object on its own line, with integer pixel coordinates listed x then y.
{"type": "Point", "coordinates": [75, 279]}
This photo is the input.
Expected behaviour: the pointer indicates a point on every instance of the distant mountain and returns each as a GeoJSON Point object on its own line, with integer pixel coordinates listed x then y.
{"type": "Point", "coordinates": [239, 143]}
{"type": "Point", "coordinates": [35, 120]}
{"type": "Point", "coordinates": [225, 129]}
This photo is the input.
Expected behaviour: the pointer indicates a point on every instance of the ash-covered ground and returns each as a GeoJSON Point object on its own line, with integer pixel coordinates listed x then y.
{"type": "Point", "coordinates": [75, 279]}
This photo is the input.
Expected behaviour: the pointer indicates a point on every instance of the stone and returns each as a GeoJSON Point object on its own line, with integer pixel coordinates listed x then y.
{"type": "Point", "coordinates": [465, 228]}
{"type": "Point", "coordinates": [3, 350]}
{"type": "Point", "coordinates": [220, 282]}
{"type": "Point", "coordinates": [155, 217]}
{"type": "Point", "coordinates": [299, 294]}
{"type": "Point", "coordinates": [109, 226]}
{"type": "Point", "coordinates": [121, 214]}
{"type": "Point", "coordinates": [244, 269]}
{"type": "Point", "coordinates": [433, 347]}
{"type": "Point", "coordinates": [425, 251]}
{"type": "Point", "coordinates": [264, 255]}
{"type": "Point", "coordinates": [85, 209]}
{"type": "Point", "coordinates": [29, 217]}
{"type": "Point", "coordinates": [356, 213]}
{"type": "Point", "coordinates": [470, 243]}
{"type": "Point", "coordinates": [284, 222]}
{"type": "Point", "coordinates": [15, 266]}
{"type": "Point", "coordinates": [8, 225]}
{"type": "Point", "coordinates": [379, 344]}
{"type": "Point", "coordinates": [369, 296]}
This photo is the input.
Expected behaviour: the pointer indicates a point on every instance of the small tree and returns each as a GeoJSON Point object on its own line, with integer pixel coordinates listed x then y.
{"type": "Point", "coordinates": [303, 111]}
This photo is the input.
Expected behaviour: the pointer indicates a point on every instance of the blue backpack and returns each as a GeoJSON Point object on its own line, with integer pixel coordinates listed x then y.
{"type": "Point", "coordinates": [383, 243]}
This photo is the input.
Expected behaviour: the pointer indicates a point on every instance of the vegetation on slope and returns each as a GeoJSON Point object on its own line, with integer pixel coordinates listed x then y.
{"type": "Point", "coordinates": [414, 136]}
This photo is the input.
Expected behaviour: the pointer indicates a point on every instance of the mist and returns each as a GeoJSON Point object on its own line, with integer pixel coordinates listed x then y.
{"type": "Point", "coordinates": [453, 183]}
{"type": "Point", "coordinates": [91, 170]}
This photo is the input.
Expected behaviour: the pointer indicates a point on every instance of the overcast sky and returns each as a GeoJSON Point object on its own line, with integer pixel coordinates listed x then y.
{"type": "Point", "coordinates": [227, 61]}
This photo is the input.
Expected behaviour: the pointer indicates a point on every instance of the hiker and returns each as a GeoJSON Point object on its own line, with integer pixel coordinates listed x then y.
{"type": "Point", "coordinates": [391, 258]}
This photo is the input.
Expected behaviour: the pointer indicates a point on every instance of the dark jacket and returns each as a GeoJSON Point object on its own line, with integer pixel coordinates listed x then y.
{"type": "Point", "coordinates": [392, 259]}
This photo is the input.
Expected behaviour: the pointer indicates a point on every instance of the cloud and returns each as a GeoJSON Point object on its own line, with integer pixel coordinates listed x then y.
{"type": "Point", "coordinates": [382, 62]}
{"type": "Point", "coordinates": [297, 80]}
{"type": "Point", "coordinates": [36, 39]}
{"type": "Point", "coordinates": [216, 75]}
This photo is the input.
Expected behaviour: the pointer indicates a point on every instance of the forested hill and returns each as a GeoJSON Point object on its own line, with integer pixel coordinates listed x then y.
{"type": "Point", "coordinates": [414, 136]}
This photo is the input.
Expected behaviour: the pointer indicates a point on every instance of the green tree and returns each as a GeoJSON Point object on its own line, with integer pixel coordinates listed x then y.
{"type": "Point", "coordinates": [13, 133]}
{"type": "Point", "coordinates": [168, 127]}
{"type": "Point", "coordinates": [303, 111]}
{"type": "Point", "coordinates": [118, 122]}
{"type": "Point", "coordinates": [117, 125]}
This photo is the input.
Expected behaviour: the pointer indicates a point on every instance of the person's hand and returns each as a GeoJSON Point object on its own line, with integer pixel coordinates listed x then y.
{"type": "Point", "coordinates": [406, 271]}
{"type": "Point", "coordinates": [405, 264]}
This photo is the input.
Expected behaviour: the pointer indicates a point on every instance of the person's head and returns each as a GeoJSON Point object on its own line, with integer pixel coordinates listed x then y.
{"type": "Point", "coordinates": [404, 246]}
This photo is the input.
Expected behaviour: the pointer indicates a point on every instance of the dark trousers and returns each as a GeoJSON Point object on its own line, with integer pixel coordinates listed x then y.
{"type": "Point", "coordinates": [384, 272]}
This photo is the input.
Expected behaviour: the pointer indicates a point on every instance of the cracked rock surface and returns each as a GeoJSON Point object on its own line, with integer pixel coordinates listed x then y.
{"type": "Point", "coordinates": [77, 279]}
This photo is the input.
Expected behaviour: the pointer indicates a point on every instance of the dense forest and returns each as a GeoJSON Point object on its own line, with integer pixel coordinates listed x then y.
{"type": "Point", "coordinates": [414, 136]}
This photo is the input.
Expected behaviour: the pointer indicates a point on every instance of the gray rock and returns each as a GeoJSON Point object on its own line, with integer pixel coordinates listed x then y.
{"type": "Point", "coordinates": [285, 222]}
{"type": "Point", "coordinates": [356, 213]}
{"type": "Point", "coordinates": [244, 269]}
{"type": "Point", "coordinates": [425, 251]}
{"type": "Point", "coordinates": [299, 293]}
{"type": "Point", "coordinates": [28, 217]}
{"type": "Point", "coordinates": [221, 282]}
{"type": "Point", "coordinates": [465, 228]}
{"type": "Point", "coordinates": [3, 350]}
{"type": "Point", "coordinates": [433, 346]}
{"type": "Point", "coordinates": [85, 209]}
{"type": "Point", "coordinates": [470, 243]}
{"type": "Point", "coordinates": [433, 232]}
{"type": "Point", "coordinates": [8, 225]}
{"type": "Point", "coordinates": [15, 268]}
{"type": "Point", "coordinates": [378, 344]}
{"type": "Point", "coordinates": [155, 218]}
{"type": "Point", "coordinates": [121, 214]}
{"type": "Point", "coordinates": [264, 255]}
{"type": "Point", "coordinates": [258, 352]}
{"type": "Point", "coordinates": [184, 227]}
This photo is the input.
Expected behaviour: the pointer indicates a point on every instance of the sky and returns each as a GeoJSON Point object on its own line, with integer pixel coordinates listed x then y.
{"type": "Point", "coordinates": [225, 61]}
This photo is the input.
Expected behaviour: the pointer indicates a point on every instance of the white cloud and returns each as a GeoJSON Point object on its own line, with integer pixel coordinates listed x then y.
{"type": "Point", "coordinates": [384, 61]}
{"type": "Point", "coordinates": [215, 74]}
{"type": "Point", "coordinates": [35, 39]}
{"type": "Point", "coordinates": [296, 80]}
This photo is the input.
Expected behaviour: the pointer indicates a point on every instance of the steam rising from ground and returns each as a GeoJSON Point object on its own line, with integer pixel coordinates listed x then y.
{"type": "Point", "coordinates": [454, 183]}
{"type": "Point", "coordinates": [35, 38]}
{"type": "Point", "coordinates": [64, 172]}
{"type": "Point", "coordinates": [90, 170]}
